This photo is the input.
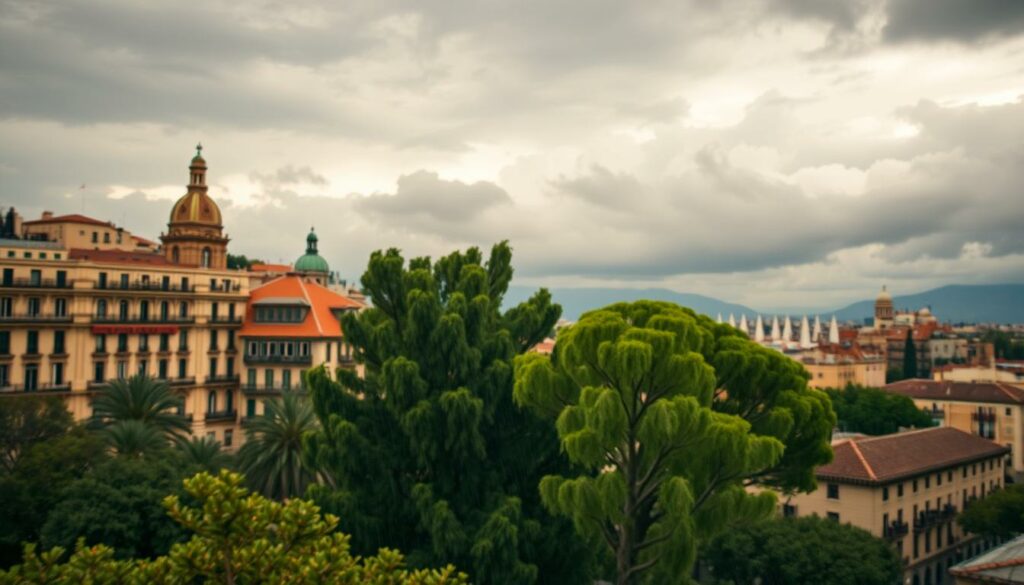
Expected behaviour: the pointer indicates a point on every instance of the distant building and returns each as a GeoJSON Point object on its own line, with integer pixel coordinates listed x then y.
{"type": "Point", "coordinates": [992, 410]}
{"type": "Point", "coordinates": [1001, 565]}
{"type": "Point", "coordinates": [907, 488]}
{"type": "Point", "coordinates": [835, 366]}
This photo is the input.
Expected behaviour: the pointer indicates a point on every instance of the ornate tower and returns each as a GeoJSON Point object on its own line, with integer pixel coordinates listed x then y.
{"type": "Point", "coordinates": [195, 233]}
{"type": "Point", "coordinates": [312, 265]}
{"type": "Point", "coordinates": [883, 310]}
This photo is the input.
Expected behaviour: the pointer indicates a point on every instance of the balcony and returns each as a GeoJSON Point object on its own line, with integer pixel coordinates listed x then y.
{"type": "Point", "coordinates": [222, 288]}
{"type": "Point", "coordinates": [41, 388]}
{"type": "Point", "coordinates": [182, 381]}
{"type": "Point", "coordinates": [35, 283]}
{"type": "Point", "coordinates": [222, 415]}
{"type": "Point", "coordinates": [140, 319]}
{"type": "Point", "coordinates": [225, 320]}
{"type": "Point", "coordinates": [218, 380]}
{"type": "Point", "coordinates": [983, 417]}
{"type": "Point", "coordinates": [139, 285]}
{"type": "Point", "coordinates": [279, 359]}
{"type": "Point", "coordinates": [895, 529]}
{"type": "Point", "coordinates": [930, 518]}
{"type": "Point", "coordinates": [257, 390]}
{"type": "Point", "coordinates": [35, 318]}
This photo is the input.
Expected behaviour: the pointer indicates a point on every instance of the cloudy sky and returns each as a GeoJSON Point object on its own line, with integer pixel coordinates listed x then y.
{"type": "Point", "coordinates": [776, 153]}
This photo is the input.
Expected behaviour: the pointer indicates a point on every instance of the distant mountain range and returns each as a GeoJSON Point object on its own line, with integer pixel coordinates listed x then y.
{"type": "Point", "coordinates": [994, 303]}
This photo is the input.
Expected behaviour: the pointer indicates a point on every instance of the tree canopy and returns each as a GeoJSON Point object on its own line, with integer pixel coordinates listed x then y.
{"type": "Point", "coordinates": [873, 411]}
{"type": "Point", "coordinates": [427, 452]}
{"type": "Point", "coordinates": [673, 416]}
{"type": "Point", "coordinates": [26, 421]}
{"type": "Point", "coordinates": [1000, 514]}
{"type": "Point", "coordinates": [271, 457]}
{"type": "Point", "coordinates": [144, 399]}
{"type": "Point", "coordinates": [811, 549]}
{"type": "Point", "coordinates": [236, 537]}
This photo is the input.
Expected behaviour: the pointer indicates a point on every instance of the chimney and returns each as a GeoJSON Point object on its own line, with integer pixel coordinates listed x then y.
{"type": "Point", "coordinates": [47, 215]}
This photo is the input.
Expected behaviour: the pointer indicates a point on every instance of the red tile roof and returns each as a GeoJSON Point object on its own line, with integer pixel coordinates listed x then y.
{"type": "Point", "coordinates": [997, 392]}
{"type": "Point", "coordinates": [72, 218]}
{"type": "Point", "coordinates": [320, 320]}
{"type": "Point", "coordinates": [118, 257]}
{"type": "Point", "coordinates": [142, 240]}
{"type": "Point", "coordinates": [878, 460]}
{"type": "Point", "coordinates": [270, 268]}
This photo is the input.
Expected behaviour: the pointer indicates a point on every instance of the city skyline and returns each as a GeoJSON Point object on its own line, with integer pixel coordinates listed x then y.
{"type": "Point", "coordinates": [756, 152]}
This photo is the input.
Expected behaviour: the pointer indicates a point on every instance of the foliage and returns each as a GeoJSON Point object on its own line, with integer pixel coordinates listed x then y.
{"type": "Point", "coordinates": [873, 411]}
{"type": "Point", "coordinates": [241, 262]}
{"type": "Point", "coordinates": [33, 488]}
{"type": "Point", "coordinates": [271, 457]}
{"type": "Point", "coordinates": [1005, 345]}
{"type": "Point", "coordinates": [204, 454]}
{"type": "Point", "coordinates": [802, 550]}
{"type": "Point", "coordinates": [134, 438]}
{"type": "Point", "coordinates": [673, 416]}
{"type": "Point", "coordinates": [237, 537]}
{"type": "Point", "coordinates": [26, 421]}
{"type": "Point", "coordinates": [427, 452]}
{"type": "Point", "coordinates": [144, 399]}
{"type": "Point", "coordinates": [893, 375]}
{"type": "Point", "coordinates": [1000, 514]}
{"type": "Point", "coordinates": [909, 356]}
{"type": "Point", "coordinates": [118, 504]}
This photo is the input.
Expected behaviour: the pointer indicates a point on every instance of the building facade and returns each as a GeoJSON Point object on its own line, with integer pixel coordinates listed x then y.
{"type": "Point", "coordinates": [907, 488]}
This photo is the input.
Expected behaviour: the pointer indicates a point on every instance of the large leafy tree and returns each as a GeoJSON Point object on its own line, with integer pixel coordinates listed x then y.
{"type": "Point", "coordinates": [144, 399]}
{"type": "Point", "coordinates": [237, 537]}
{"type": "Point", "coordinates": [427, 453]}
{"type": "Point", "coordinates": [271, 457]}
{"type": "Point", "coordinates": [27, 420]}
{"type": "Point", "coordinates": [909, 355]}
{"type": "Point", "coordinates": [204, 453]}
{"type": "Point", "coordinates": [135, 438]}
{"type": "Point", "coordinates": [873, 411]}
{"type": "Point", "coordinates": [802, 550]}
{"type": "Point", "coordinates": [674, 416]}
{"type": "Point", "coordinates": [1001, 514]}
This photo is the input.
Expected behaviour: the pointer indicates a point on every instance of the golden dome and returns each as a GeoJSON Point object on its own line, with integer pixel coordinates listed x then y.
{"type": "Point", "coordinates": [884, 296]}
{"type": "Point", "coordinates": [196, 207]}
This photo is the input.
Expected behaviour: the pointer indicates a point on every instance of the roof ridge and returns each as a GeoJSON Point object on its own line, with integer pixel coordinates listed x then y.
{"type": "Point", "coordinates": [905, 433]}
{"type": "Point", "coordinates": [316, 319]}
{"type": "Point", "coordinates": [863, 460]}
{"type": "Point", "coordinates": [1002, 388]}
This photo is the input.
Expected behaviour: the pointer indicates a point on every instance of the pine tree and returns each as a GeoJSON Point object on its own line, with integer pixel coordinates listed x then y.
{"type": "Point", "coordinates": [909, 356]}
{"type": "Point", "coordinates": [427, 452]}
{"type": "Point", "coordinates": [673, 416]}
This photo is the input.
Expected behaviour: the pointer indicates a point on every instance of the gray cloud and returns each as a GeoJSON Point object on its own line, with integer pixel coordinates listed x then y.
{"type": "Point", "coordinates": [953, 20]}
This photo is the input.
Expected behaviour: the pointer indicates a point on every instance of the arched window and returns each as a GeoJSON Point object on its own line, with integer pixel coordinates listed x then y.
{"type": "Point", "coordinates": [211, 401]}
{"type": "Point", "coordinates": [175, 255]}
{"type": "Point", "coordinates": [101, 308]}
{"type": "Point", "coordinates": [206, 258]}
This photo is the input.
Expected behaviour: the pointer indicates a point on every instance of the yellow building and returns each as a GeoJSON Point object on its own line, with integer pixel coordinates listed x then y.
{"type": "Point", "coordinates": [993, 410]}
{"type": "Point", "coordinates": [80, 305]}
{"type": "Point", "coordinates": [907, 488]}
{"type": "Point", "coordinates": [835, 366]}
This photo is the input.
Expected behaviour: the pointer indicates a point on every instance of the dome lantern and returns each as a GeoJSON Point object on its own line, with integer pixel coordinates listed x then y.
{"type": "Point", "coordinates": [312, 261]}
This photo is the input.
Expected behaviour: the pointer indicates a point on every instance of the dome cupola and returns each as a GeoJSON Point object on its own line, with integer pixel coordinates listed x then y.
{"type": "Point", "coordinates": [312, 261]}
{"type": "Point", "coordinates": [195, 230]}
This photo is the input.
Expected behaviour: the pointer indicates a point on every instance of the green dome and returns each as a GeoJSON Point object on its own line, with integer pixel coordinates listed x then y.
{"type": "Point", "coordinates": [311, 261]}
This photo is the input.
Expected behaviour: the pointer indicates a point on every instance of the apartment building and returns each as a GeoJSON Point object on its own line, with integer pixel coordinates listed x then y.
{"type": "Point", "coordinates": [908, 488]}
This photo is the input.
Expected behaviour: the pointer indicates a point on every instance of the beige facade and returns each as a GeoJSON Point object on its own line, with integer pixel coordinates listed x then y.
{"type": "Point", "coordinates": [837, 374]}
{"type": "Point", "coordinates": [77, 231]}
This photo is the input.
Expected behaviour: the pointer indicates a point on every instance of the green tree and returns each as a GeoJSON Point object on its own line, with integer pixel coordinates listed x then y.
{"type": "Point", "coordinates": [33, 488]}
{"type": "Point", "coordinates": [118, 504]}
{"type": "Point", "coordinates": [271, 457]}
{"type": "Point", "coordinates": [673, 416]}
{"type": "Point", "coordinates": [135, 438]}
{"type": "Point", "coordinates": [237, 537]}
{"type": "Point", "coordinates": [909, 356]}
{"type": "Point", "coordinates": [1000, 514]}
{"type": "Point", "coordinates": [27, 420]}
{"type": "Point", "coordinates": [811, 549]}
{"type": "Point", "coordinates": [427, 452]}
{"type": "Point", "coordinates": [143, 399]}
{"type": "Point", "coordinates": [204, 454]}
{"type": "Point", "coordinates": [241, 262]}
{"type": "Point", "coordinates": [873, 411]}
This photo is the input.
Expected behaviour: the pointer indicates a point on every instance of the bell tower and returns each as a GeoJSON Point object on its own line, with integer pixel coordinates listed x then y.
{"type": "Point", "coordinates": [195, 232]}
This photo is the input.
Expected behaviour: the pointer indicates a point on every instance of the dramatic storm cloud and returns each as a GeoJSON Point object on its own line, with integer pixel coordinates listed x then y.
{"type": "Point", "coordinates": [776, 153]}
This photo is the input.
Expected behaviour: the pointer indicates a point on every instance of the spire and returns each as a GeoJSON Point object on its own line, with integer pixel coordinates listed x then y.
{"type": "Point", "coordinates": [805, 334]}
{"type": "Point", "coordinates": [759, 329]}
{"type": "Point", "coordinates": [816, 336]}
{"type": "Point", "coordinates": [311, 241]}
{"type": "Point", "coordinates": [743, 324]}
{"type": "Point", "coordinates": [787, 330]}
{"type": "Point", "coordinates": [197, 171]}
{"type": "Point", "coordinates": [732, 320]}
{"type": "Point", "coordinates": [775, 328]}
{"type": "Point", "coordinates": [833, 331]}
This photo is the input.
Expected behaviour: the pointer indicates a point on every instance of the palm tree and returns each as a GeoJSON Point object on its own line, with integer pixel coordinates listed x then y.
{"type": "Point", "coordinates": [204, 453]}
{"type": "Point", "coordinates": [271, 457]}
{"type": "Point", "coordinates": [143, 399]}
{"type": "Point", "coordinates": [134, 438]}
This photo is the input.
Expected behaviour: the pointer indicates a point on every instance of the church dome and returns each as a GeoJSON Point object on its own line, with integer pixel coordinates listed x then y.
{"type": "Point", "coordinates": [311, 261]}
{"type": "Point", "coordinates": [884, 295]}
{"type": "Point", "coordinates": [196, 207]}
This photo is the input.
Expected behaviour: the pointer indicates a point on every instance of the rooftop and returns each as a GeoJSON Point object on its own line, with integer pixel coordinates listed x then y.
{"type": "Point", "coordinates": [71, 218]}
{"type": "Point", "coordinates": [995, 392]}
{"type": "Point", "coordinates": [33, 244]}
{"type": "Point", "coordinates": [879, 460]}
{"type": "Point", "coordinates": [320, 321]}
{"type": "Point", "coordinates": [118, 257]}
{"type": "Point", "coordinates": [1003, 564]}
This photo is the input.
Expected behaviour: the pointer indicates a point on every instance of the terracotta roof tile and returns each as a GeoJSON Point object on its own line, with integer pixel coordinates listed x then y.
{"type": "Point", "coordinates": [320, 320]}
{"type": "Point", "coordinates": [877, 460]}
{"type": "Point", "coordinates": [998, 392]}
{"type": "Point", "coordinates": [270, 268]}
{"type": "Point", "coordinates": [72, 218]}
{"type": "Point", "coordinates": [118, 257]}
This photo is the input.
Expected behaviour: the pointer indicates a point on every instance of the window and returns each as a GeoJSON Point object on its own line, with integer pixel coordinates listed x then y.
{"type": "Point", "coordinates": [183, 309]}
{"type": "Point", "coordinates": [213, 367]}
{"type": "Point", "coordinates": [182, 368]}
{"type": "Point", "coordinates": [5, 376]}
{"type": "Point", "coordinates": [965, 471]}
{"type": "Point", "coordinates": [101, 344]}
{"type": "Point", "coordinates": [33, 306]}
{"type": "Point", "coordinates": [214, 311]}
{"type": "Point", "coordinates": [229, 366]}
{"type": "Point", "coordinates": [57, 374]}
{"type": "Point", "coordinates": [31, 377]}
{"type": "Point", "coordinates": [231, 340]}
{"type": "Point", "coordinates": [165, 342]}
{"type": "Point", "coordinates": [899, 490]}
{"type": "Point", "coordinates": [122, 342]}
{"type": "Point", "coordinates": [102, 282]}
{"type": "Point", "coordinates": [286, 379]}
{"type": "Point", "coordinates": [143, 368]}
{"type": "Point", "coordinates": [231, 311]}
{"type": "Point", "coordinates": [268, 378]}
{"type": "Point", "coordinates": [833, 516]}
{"type": "Point", "coordinates": [32, 343]}
{"type": "Point", "coordinates": [122, 310]}
{"type": "Point", "coordinates": [162, 369]}
{"type": "Point", "coordinates": [213, 340]}
{"type": "Point", "coordinates": [211, 401]}
{"type": "Point", "coordinates": [938, 478]}
{"type": "Point", "coordinates": [5, 342]}
{"type": "Point", "coordinates": [927, 481]}
{"type": "Point", "coordinates": [122, 370]}
{"type": "Point", "coordinates": [101, 308]}
{"type": "Point", "coordinates": [124, 281]}
{"type": "Point", "coordinates": [99, 372]}
{"type": "Point", "coordinates": [58, 342]}
{"type": "Point", "coordinates": [144, 311]}
{"type": "Point", "coordinates": [35, 277]}
{"type": "Point", "coordinates": [6, 306]}
{"type": "Point", "coordinates": [229, 401]}
{"type": "Point", "coordinates": [250, 378]}
{"type": "Point", "coordinates": [165, 310]}
{"type": "Point", "coordinates": [788, 511]}
{"type": "Point", "coordinates": [885, 494]}
{"type": "Point", "coordinates": [175, 255]}
{"type": "Point", "coordinates": [250, 407]}
{"type": "Point", "coordinates": [949, 476]}
{"type": "Point", "coordinates": [229, 437]}
{"type": "Point", "coordinates": [143, 342]}
{"type": "Point", "coordinates": [205, 261]}
{"type": "Point", "coordinates": [106, 238]}
{"type": "Point", "coordinates": [914, 486]}
{"type": "Point", "coordinates": [60, 307]}
{"type": "Point", "coordinates": [183, 340]}
{"type": "Point", "coordinates": [184, 284]}
{"type": "Point", "coordinates": [95, 237]}
{"type": "Point", "coordinates": [833, 489]}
